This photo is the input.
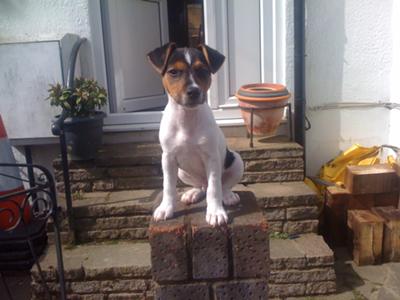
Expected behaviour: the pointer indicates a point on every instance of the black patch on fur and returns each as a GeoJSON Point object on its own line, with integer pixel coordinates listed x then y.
{"type": "Point", "coordinates": [229, 158]}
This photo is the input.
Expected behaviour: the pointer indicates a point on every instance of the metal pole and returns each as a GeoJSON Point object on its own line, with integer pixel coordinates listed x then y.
{"type": "Point", "coordinates": [299, 71]}
{"type": "Point", "coordinates": [60, 262]}
{"type": "Point", "coordinates": [67, 186]}
{"type": "Point", "coordinates": [28, 159]}
{"type": "Point", "coordinates": [290, 121]}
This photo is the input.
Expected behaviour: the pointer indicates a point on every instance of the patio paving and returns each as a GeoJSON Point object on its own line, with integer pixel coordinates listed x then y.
{"type": "Point", "coordinates": [360, 283]}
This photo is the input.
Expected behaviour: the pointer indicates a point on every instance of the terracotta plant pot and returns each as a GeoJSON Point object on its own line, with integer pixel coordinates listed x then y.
{"type": "Point", "coordinates": [267, 101]}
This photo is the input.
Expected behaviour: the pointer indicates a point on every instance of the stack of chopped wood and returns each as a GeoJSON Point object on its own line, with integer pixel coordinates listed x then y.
{"type": "Point", "coordinates": [365, 214]}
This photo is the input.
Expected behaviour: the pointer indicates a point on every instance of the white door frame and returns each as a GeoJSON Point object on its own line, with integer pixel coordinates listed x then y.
{"type": "Point", "coordinates": [225, 112]}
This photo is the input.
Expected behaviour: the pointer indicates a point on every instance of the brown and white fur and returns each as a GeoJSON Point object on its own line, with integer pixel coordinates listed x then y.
{"type": "Point", "coordinates": [193, 145]}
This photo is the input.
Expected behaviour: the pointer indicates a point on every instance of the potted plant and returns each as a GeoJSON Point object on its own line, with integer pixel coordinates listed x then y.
{"type": "Point", "coordinates": [83, 126]}
{"type": "Point", "coordinates": [267, 101]}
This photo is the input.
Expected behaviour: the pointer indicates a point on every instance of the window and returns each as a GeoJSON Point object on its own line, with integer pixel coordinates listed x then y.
{"type": "Point", "coordinates": [249, 33]}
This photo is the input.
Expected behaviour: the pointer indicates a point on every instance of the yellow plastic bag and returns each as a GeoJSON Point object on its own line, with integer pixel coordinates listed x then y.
{"type": "Point", "coordinates": [334, 170]}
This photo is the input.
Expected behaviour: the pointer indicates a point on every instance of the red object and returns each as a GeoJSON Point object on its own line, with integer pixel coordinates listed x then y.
{"type": "Point", "coordinates": [10, 207]}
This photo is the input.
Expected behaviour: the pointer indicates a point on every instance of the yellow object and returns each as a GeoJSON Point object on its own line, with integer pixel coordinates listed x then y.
{"type": "Point", "coordinates": [334, 170]}
{"type": "Point", "coordinates": [391, 160]}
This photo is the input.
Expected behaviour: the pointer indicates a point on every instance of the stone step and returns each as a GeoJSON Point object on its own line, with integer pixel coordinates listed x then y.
{"type": "Point", "coordinates": [155, 182]}
{"type": "Point", "coordinates": [118, 271]}
{"type": "Point", "coordinates": [137, 166]}
{"type": "Point", "coordinates": [145, 154]}
{"type": "Point", "coordinates": [299, 267]}
{"type": "Point", "coordinates": [303, 266]}
{"type": "Point", "coordinates": [102, 216]}
{"type": "Point", "coordinates": [290, 207]}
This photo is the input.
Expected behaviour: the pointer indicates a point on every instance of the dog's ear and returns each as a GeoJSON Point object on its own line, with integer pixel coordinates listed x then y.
{"type": "Point", "coordinates": [159, 57]}
{"type": "Point", "coordinates": [213, 57]}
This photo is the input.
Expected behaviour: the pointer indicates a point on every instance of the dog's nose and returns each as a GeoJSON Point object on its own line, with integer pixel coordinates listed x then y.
{"type": "Point", "coordinates": [193, 92]}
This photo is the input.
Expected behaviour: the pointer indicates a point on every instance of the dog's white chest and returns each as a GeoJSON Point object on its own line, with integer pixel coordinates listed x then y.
{"type": "Point", "coordinates": [190, 151]}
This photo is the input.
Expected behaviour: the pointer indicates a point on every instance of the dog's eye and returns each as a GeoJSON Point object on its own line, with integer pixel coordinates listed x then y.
{"type": "Point", "coordinates": [174, 72]}
{"type": "Point", "coordinates": [202, 71]}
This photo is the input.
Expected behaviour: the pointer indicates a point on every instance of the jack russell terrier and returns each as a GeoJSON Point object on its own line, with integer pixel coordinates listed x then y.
{"type": "Point", "coordinates": [193, 145]}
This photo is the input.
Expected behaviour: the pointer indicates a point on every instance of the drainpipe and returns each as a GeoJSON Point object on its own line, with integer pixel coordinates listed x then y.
{"type": "Point", "coordinates": [299, 72]}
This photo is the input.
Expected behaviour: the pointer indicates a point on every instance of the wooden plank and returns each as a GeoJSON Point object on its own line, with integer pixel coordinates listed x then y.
{"type": "Point", "coordinates": [391, 233]}
{"type": "Point", "coordinates": [366, 236]}
{"type": "Point", "coordinates": [380, 178]}
{"type": "Point", "coordinates": [396, 167]}
{"type": "Point", "coordinates": [387, 199]}
{"type": "Point", "coordinates": [337, 200]}
{"type": "Point", "coordinates": [362, 201]}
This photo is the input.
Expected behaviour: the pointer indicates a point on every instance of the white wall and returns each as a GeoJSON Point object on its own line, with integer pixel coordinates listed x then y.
{"type": "Point", "coordinates": [42, 20]}
{"type": "Point", "coordinates": [349, 58]}
{"type": "Point", "coordinates": [38, 20]}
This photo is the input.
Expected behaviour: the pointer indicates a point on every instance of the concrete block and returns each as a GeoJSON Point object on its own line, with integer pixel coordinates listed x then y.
{"type": "Point", "coordinates": [298, 276]}
{"type": "Point", "coordinates": [315, 249]}
{"type": "Point", "coordinates": [182, 291]}
{"type": "Point", "coordinates": [287, 290]}
{"type": "Point", "coordinates": [275, 214]}
{"type": "Point", "coordinates": [209, 248]}
{"type": "Point", "coordinates": [241, 289]}
{"type": "Point", "coordinates": [274, 164]}
{"type": "Point", "coordinates": [301, 226]}
{"type": "Point", "coordinates": [250, 241]}
{"type": "Point", "coordinates": [321, 288]}
{"type": "Point", "coordinates": [286, 255]}
{"type": "Point", "coordinates": [302, 213]}
{"type": "Point", "coordinates": [169, 255]}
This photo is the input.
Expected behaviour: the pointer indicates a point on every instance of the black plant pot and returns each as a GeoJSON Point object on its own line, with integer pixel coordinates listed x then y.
{"type": "Point", "coordinates": [84, 136]}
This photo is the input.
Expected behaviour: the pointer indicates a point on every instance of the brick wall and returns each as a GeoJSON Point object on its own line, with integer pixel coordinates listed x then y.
{"type": "Point", "coordinates": [191, 260]}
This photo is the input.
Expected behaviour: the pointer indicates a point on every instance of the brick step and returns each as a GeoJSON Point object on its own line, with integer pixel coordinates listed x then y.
{"type": "Point", "coordinates": [102, 271]}
{"type": "Point", "coordinates": [137, 166]}
{"type": "Point", "coordinates": [155, 182]}
{"type": "Point", "coordinates": [102, 216]}
{"type": "Point", "coordinates": [122, 270]}
{"type": "Point", "coordinates": [301, 267]}
{"type": "Point", "coordinates": [290, 207]}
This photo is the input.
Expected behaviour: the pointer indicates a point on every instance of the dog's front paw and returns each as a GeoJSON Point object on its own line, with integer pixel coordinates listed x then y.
{"type": "Point", "coordinates": [193, 195]}
{"type": "Point", "coordinates": [216, 215]}
{"type": "Point", "coordinates": [230, 198]}
{"type": "Point", "coordinates": [163, 212]}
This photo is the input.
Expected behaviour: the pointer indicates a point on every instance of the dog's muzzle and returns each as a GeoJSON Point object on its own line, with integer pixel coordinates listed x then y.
{"type": "Point", "coordinates": [194, 96]}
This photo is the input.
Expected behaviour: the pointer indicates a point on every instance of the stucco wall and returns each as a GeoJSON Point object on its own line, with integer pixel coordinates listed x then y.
{"type": "Point", "coordinates": [349, 58]}
{"type": "Point", "coordinates": [38, 20]}
{"type": "Point", "coordinates": [42, 20]}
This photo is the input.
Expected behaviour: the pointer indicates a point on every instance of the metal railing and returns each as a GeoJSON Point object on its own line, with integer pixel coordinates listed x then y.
{"type": "Point", "coordinates": [40, 201]}
{"type": "Point", "coordinates": [58, 130]}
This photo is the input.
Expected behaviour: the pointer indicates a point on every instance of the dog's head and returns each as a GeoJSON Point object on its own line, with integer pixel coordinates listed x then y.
{"type": "Point", "coordinates": [186, 72]}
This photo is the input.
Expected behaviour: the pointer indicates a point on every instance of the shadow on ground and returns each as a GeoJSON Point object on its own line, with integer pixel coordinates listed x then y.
{"type": "Point", "coordinates": [19, 285]}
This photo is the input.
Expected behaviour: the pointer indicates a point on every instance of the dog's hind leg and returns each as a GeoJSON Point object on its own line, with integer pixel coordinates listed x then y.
{"type": "Point", "coordinates": [230, 178]}
{"type": "Point", "coordinates": [197, 193]}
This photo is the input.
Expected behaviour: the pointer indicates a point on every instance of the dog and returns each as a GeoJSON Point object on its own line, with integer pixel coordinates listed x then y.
{"type": "Point", "coordinates": [193, 146]}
